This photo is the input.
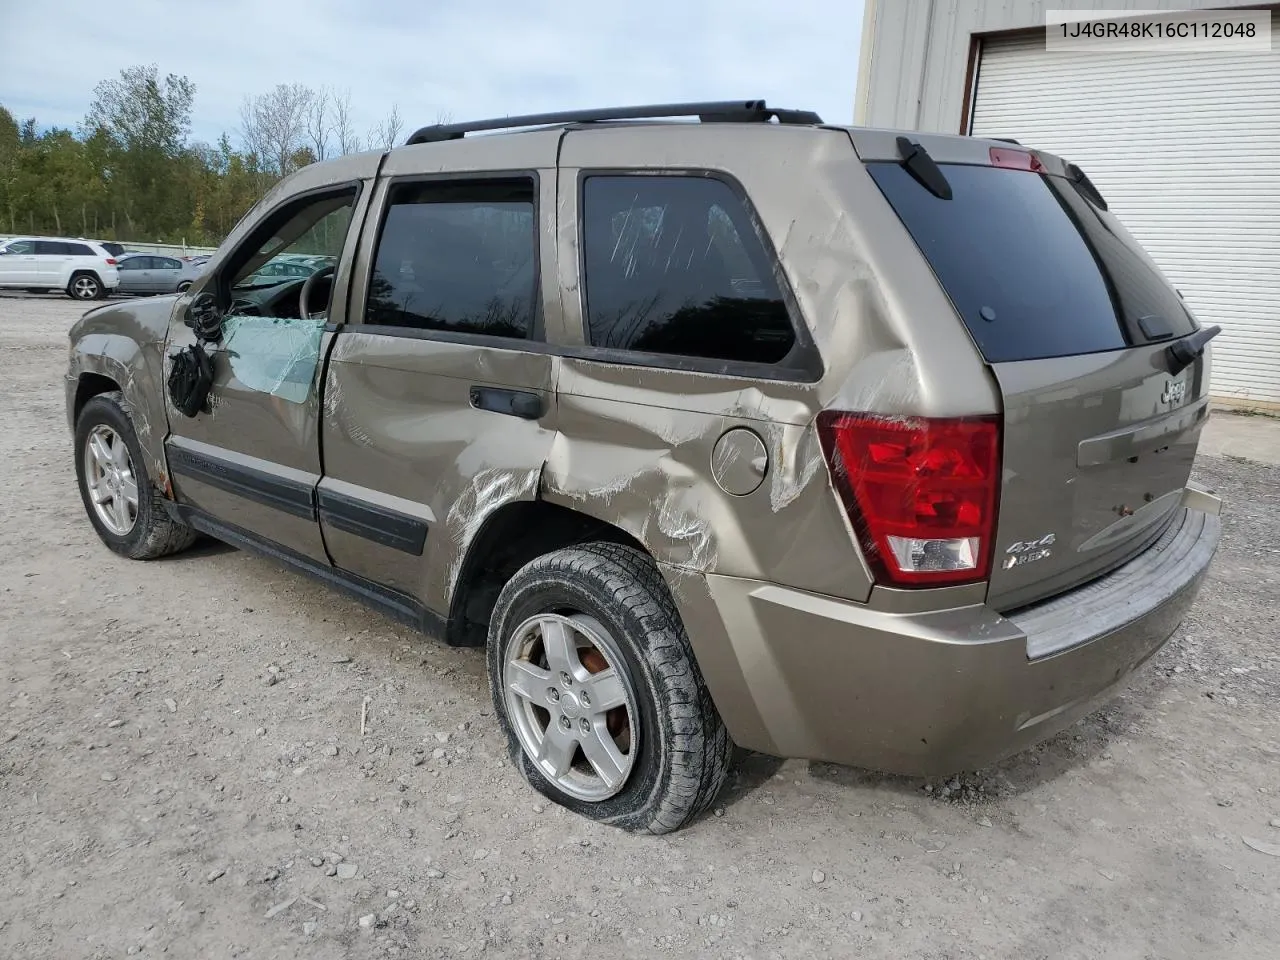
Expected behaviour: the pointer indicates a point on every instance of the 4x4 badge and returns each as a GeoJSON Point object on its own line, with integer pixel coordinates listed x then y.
{"type": "Point", "coordinates": [1028, 551]}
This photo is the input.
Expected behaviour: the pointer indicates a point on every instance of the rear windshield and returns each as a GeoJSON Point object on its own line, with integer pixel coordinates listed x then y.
{"type": "Point", "coordinates": [1033, 268]}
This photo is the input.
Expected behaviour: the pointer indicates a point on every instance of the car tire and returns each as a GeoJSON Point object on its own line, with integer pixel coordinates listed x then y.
{"type": "Point", "coordinates": [144, 530]}
{"type": "Point", "coordinates": [85, 286]}
{"type": "Point", "coordinates": [626, 631]}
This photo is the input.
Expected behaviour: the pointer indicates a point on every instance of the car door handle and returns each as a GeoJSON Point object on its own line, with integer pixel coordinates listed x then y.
{"type": "Point", "coordinates": [514, 403]}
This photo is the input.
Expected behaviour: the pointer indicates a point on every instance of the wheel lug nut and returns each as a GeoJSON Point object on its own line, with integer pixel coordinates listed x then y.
{"type": "Point", "coordinates": [566, 679]}
{"type": "Point", "coordinates": [585, 725]}
{"type": "Point", "coordinates": [586, 699]}
{"type": "Point", "coordinates": [564, 723]}
{"type": "Point", "coordinates": [553, 695]}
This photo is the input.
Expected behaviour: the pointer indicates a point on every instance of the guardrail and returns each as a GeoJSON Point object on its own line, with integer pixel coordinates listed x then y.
{"type": "Point", "coordinates": [165, 249]}
{"type": "Point", "coordinates": [168, 249]}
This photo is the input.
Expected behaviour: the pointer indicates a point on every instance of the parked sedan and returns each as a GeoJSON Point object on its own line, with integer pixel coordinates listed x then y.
{"type": "Point", "coordinates": [280, 269]}
{"type": "Point", "coordinates": [146, 273]}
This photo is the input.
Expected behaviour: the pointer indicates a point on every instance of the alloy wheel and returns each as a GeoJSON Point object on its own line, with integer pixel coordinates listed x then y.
{"type": "Point", "coordinates": [572, 703]}
{"type": "Point", "coordinates": [110, 479]}
{"type": "Point", "coordinates": [85, 288]}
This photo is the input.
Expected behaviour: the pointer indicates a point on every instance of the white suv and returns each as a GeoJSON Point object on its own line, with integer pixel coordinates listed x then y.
{"type": "Point", "coordinates": [80, 267]}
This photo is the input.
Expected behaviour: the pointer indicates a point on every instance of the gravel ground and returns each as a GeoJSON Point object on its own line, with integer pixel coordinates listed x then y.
{"type": "Point", "coordinates": [182, 772]}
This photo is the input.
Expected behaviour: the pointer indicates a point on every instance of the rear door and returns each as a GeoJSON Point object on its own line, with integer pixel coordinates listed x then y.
{"type": "Point", "coordinates": [1074, 320]}
{"type": "Point", "coordinates": [440, 394]}
{"type": "Point", "coordinates": [165, 272]}
{"type": "Point", "coordinates": [145, 278]}
{"type": "Point", "coordinates": [52, 263]}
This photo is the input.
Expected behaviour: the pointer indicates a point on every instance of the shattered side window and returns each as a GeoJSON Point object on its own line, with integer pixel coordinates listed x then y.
{"type": "Point", "coordinates": [276, 355]}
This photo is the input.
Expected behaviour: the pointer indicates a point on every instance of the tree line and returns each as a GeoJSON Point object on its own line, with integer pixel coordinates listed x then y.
{"type": "Point", "coordinates": [131, 171]}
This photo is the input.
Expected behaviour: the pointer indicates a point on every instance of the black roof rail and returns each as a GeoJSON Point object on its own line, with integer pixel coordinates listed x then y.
{"type": "Point", "coordinates": [713, 111]}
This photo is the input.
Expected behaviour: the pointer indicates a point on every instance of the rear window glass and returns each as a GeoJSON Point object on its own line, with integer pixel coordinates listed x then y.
{"type": "Point", "coordinates": [1034, 269]}
{"type": "Point", "coordinates": [674, 266]}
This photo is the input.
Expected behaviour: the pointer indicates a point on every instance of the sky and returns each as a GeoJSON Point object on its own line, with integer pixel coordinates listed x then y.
{"type": "Point", "coordinates": [470, 59]}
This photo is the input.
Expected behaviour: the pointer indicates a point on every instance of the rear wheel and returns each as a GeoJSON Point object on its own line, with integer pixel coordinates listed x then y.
{"type": "Point", "coordinates": [595, 683]}
{"type": "Point", "coordinates": [84, 286]}
{"type": "Point", "coordinates": [123, 504]}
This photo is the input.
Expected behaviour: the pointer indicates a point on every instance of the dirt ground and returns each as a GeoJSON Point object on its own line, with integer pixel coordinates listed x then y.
{"type": "Point", "coordinates": [182, 773]}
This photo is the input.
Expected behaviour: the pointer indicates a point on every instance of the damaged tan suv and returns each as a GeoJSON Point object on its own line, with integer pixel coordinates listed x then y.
{"type": "Point", "coordinates": [833, 443]}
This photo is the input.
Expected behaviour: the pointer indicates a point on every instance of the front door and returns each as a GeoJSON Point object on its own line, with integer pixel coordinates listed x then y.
{"type": "Point", "coordinates": [18, 264]}
{"type": "Point", "coordinates": [440, 394]}
{"type": "Point", "coordinates": [252, 461]}
{"type": "Point", "coordinates": [133, 272]}
{"type": "Point", "coordinates": [146, 276]}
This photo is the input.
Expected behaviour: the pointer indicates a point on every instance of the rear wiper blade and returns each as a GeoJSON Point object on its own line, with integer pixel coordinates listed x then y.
{"type": "Point", "coordinates": [923, 169]}
{"type": "Point", "coordinates": [1182, 353]}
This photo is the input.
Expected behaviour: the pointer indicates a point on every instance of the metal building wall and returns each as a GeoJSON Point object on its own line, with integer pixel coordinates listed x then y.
{"type": "Point", "coordinates": [915, 53]}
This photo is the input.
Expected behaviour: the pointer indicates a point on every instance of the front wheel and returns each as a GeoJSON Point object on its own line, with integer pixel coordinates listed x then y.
{"type": "Point", "coordinates": [123, 504]}
{"type": "Point", "coordinates": [84, 286]}
{"type": "Point", "coordinates": [598, 691]}
{"type": "Point", "coordinates": [184, 286]}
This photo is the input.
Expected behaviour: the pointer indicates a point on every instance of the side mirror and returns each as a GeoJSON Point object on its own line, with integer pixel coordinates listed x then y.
{"type": "Point", "coordinates": [204, 317]}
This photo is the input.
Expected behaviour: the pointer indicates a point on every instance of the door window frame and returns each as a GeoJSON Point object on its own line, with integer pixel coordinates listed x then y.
{"type": "Point", "coordinates": [258, 233]}
{"type": "Point", "coordinates": [536, 342]}
{"type": "Point", "coordinates": [802, 363]}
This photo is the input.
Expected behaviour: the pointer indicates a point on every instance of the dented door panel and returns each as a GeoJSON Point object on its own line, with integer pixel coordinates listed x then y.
{"type": "Point", "coordinates": [401, 434]}
{"type": "Point", "coordinates": [253, 459]}
{"type": "Point", "coordinates": [415, 425]}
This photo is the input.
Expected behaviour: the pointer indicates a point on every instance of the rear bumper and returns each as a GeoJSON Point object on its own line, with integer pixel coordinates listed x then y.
{"type": "Point", "coordinates": [811, 677]}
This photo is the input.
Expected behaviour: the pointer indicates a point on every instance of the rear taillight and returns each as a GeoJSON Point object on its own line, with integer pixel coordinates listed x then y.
{"type": "Point", "coordinates": [1015, 159]}
{"type": "Point", "coordinates": [921, 493]}
{"type": "Point", "coordinates": [111, 261]}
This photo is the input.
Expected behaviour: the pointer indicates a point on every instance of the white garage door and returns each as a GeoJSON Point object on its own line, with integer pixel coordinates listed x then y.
{"type": "Point", "coordinates": [1186, 149]}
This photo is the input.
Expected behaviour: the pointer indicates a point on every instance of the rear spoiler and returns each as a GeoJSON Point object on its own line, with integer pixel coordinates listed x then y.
{"type": "Point", "coordinates": [1081, 180]}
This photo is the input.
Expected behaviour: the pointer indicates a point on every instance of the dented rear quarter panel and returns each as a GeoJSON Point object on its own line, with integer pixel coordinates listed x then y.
{"type": "Point", "coordinates": [635, 444]}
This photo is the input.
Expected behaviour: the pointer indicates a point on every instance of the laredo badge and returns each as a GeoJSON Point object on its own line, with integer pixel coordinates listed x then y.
{"type": "Point", "coordinates": [1028, 551]}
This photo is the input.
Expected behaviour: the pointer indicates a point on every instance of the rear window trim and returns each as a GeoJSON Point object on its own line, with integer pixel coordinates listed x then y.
{"type": "Point", "coordinates": [1129, 329]}
{"type": "Point", "coordinates": [802, 363]}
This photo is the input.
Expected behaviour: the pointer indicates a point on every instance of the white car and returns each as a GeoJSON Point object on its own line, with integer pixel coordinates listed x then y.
{"type": "Point", "coordinates": [80, 267]}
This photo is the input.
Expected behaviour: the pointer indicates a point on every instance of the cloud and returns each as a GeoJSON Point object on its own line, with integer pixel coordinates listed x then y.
{"type": "Point", "coordinates": [470, 59]}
